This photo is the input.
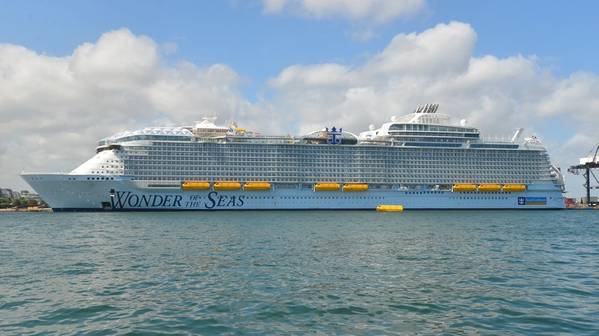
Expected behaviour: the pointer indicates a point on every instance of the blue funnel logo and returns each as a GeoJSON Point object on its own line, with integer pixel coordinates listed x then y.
{"type": "Point", "coordinates": [334, 135]}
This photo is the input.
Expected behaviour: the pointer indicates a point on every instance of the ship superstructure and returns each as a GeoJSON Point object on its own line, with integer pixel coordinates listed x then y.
{"type": "Point", "coordinates": [418, 161]}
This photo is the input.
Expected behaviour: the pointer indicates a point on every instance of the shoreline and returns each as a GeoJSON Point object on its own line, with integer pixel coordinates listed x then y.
{"type": "Point", "coordinates": [29, 209]}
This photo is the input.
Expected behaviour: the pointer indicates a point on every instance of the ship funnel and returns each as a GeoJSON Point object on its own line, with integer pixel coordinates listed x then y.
{"type": "Point", "coordinates": [428, 108]}
{"type": "Point", "coordinates": [517, 134]}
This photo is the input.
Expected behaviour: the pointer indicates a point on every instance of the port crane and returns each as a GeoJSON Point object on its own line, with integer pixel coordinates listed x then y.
{"type": "Point", "coordinates": [586, 165]}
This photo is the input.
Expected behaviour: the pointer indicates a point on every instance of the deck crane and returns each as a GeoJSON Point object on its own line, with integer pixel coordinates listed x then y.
{"type": "Point", "coordinates": [586, 165]}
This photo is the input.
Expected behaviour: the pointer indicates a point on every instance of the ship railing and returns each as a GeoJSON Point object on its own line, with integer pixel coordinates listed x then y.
{"type": "Point", "coordinates": [495, 139]}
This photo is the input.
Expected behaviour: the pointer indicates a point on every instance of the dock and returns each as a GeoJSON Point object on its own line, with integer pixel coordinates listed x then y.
{"type": "Point", "coordinates": [28, 209]}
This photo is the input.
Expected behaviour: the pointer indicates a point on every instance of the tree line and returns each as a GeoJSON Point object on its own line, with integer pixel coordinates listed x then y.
{"type": "Point", "coordinates": [21, 202]}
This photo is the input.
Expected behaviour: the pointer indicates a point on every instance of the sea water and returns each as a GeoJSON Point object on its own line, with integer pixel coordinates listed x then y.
{"type": "Point", "coordinates": [323, 272]}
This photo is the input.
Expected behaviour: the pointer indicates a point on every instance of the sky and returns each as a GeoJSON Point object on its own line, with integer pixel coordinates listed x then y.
{"type": "Point", "coordinates": [73, 72]}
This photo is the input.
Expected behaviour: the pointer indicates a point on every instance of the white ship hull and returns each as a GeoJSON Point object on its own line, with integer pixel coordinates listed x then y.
{"type": "Point", "coordinates": [65, 192]}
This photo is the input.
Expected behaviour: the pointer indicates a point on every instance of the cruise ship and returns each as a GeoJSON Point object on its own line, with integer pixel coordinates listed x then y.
{"type": "Point", "coordinates": [418, 161]}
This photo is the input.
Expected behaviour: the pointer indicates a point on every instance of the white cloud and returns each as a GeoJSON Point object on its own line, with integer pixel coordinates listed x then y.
{"type": "Point", "coordinates": [413, 68]}
{"type": "Point", "coordinates": [575, 96]}
{"type": "Point", "coordinates": [362, 35]}
{"type": "Point", "coordinates": [317, 75]}
{"type": "Point", "coordinates": [274, 6]}
{"type": "Point", "coordinates": [377, 10]}
{"type": "Point", "coordinates": [434, 52]}
{"type": "Point", "coordinates": [54, 109]}
{"type": "Point", "coordinates": [118, 60]}
{"type": "Point", "coordinates": [433, 66]}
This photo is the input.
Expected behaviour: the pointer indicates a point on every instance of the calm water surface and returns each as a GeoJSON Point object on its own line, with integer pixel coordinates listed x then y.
{"type": "Point", "coordinates": [365, 273]}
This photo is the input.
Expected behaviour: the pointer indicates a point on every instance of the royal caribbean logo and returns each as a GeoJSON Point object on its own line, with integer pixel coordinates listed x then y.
{"type": "Point", "coordinates": [532, 200]}
{"type": "Point", "coordinates": [334, 135]}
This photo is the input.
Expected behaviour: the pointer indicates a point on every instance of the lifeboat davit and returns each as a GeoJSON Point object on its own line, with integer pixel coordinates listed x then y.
{"type": "Point", "coordinates": [355, 187]}
{"type": "Point", "coordinates": [256, 186]}
{"type": "Point", "coordinates": [490, 187]}
{"type": "Point", "coordinates": [464, 187]}
{"type": "Point", "coordinates": [327, 186]}
{"type": "Point", "coordinates": [227, 185]}
{"type": "Point", "coordinates": [195, 185]}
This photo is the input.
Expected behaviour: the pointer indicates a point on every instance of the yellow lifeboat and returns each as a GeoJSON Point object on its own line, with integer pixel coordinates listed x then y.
{"type": "Point", "coordinates": [464, 187]}
{"type": "Point", "coordinates": [256, 186]}
{"type": "Point", "coordinates": [514, 187]}
{"type": "Point", "coordinates": [327, 186]}
{"type": "Point", "coordinates": [355, 187]}
{"type": "Point", "coordinates": [227, 185]}
{"type": "Point", "coordinates": [489, 187]}
{"type": "Point", "coordinates": [389, 208]}
{"type": "Point", "coordinates": [195, 185]}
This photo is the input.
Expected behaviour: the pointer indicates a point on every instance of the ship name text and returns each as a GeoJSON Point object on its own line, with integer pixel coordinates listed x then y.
{"type": "Point", "coordinates": [213, 200]}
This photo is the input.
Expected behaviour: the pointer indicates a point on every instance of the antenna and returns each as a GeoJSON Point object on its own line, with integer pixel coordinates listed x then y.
{"type": "Point", "coordinates": [517, 135]}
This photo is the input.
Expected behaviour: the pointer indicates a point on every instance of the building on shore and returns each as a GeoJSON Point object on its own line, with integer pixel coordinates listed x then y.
{"type": "Point", "coordinates": [9, 193]}
{"type": "Point", "coordinates": [25, 197]}
{"type": "Point", "coordinates": [593, 200]}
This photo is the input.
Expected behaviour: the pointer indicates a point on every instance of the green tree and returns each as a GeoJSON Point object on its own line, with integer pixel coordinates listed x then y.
{"type": "Point", "coordinates": [4, 202]}
{"type": "Point", "coordinates": [19, 202]}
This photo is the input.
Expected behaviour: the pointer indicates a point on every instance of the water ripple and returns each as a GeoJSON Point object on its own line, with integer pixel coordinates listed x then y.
{"type": "Point", "coordinates": [508, 273]}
